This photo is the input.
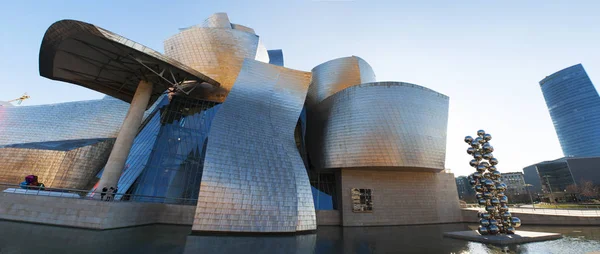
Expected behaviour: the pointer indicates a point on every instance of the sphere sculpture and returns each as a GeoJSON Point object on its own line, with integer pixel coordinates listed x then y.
{"type": "Point", "coordinates": [496, 219]}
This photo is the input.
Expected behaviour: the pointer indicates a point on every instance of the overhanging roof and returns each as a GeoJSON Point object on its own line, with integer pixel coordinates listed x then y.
{"type": "Point", "coordinates": [86, 55]}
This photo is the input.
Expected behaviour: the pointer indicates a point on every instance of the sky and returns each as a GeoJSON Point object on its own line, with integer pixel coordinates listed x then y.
{"type": "Point", "coordinates": [487, 56]}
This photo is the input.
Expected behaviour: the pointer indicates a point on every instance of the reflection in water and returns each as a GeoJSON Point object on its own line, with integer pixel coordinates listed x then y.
{"type": "Point", "coordinates": [23, 238]}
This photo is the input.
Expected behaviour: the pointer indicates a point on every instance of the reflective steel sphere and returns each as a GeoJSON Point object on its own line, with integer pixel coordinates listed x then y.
{"type": "Point", "coordinates": [492, 168]}
{"type": "Point", "coordinates": [495, 201]}
{"type": "Point", "coordinates": [475, 144]}
{"type": "Point", "coordinates": [480, 133]}
{"type": "Point", "coordinates": [503, 208]}
{"type": "Point", "coordinates": [483, 230]}
{"type": "Point", "coordinates": [496, 174]}
{"type": "Point", "coordinates": [486, 216]}
{"type": "Point", "coordinates": [478, 188]}
{"type": "Point", "coordinates": [504, 199]}
{"type": "Point", "coordinates": [468, 139]}
{"type": "Point", "coordinates": [487, 175]}
{"type": "Point", "coordinates": [487, 156]}
{"type": "Point", "coordinates": [490, 208]}
{"type": "Point", "coordinates": [493, 161]}
{"type": "Point", "coordinates": [477, 156]}
{"type": "Point", "coordinates": [499, 187]}
{"type": "Point", "coordinates": [510, 230]}
{"type": "Point", "coordinates": [487, 148]}
{"type": "Point", "coordinates": [488, 183]}
{"type": "Point", "coordinates": [493, 229]}
{"type": "Point", "coordinates": [515, 222]}
{"type": "Point", "coordinates": [487, 194]}
{"type": "Point", "coordinates": [484, 222]}
{"type": "Point", "coordinates": [506, 215]}
{"type": "Point", "coordinates": [481, 168]}
{"type": "Point", "coordinates": [500, 194]}
{"type": "Point", "coordinates": [472, 181]}
{"type": "Point", "coordinates": [476, 175]}
{"type": "Point", "coordinates": [481, 201]}
{"type": "Point", "coordinates": [491, 187]}
{"type": "Point", "coordinates": [487, 137]}
{"type": "Point", "coordinates": [471, 150]}
{"type": "Point", "coordinates": [478, 196]}
{"type": "Point", "coordinates": [473, 163]}
{"type": "Point", "coordinates": [480, 140]}
{"type": "Point", "coordinates": [485, 163]}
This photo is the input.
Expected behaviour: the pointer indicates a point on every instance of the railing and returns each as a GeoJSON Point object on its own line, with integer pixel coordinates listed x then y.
{"type": "Point", "coordinates": [89, 195]}
{"type": "Point", "coordinates": [580, 210]}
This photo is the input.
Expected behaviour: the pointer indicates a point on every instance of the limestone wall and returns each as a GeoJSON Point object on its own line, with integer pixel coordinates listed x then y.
{"type": "Point", "coordinates": [89, 213]}
{"type": "Point", "coordinates": [401, 198]}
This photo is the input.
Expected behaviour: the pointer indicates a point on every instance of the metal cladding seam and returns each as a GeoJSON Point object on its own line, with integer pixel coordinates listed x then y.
{"type": "Point", "coordinates": [254, 179]}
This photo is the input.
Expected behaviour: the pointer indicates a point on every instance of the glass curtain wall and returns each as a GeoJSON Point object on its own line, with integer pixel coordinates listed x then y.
{"type": "Point", "coordinates": [174, 169]}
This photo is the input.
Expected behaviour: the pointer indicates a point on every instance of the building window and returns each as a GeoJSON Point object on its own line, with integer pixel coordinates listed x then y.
{"type": "Point", "coordinates": [362, 200]}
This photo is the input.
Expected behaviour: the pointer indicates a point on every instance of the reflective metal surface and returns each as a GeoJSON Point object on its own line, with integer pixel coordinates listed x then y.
{"type": "Point", "coordinates": [61, 121]}
{"type": "Point", "coordinates": [336, 75]}
{"type": "Point", "coordinates": [214, 49]}
{"type": "Point", "coordinates": [380, 124]}
{"type": "Point", "coordinates": [574, 105]}
{"type": "Point", "coordinates": [98, 59]}
{"type": "Point", "coordinates": [254, 179]}
{"type": "Point", "coordinates": [66, 164]}
{"type": "Point", "coordinates": [488, 184]}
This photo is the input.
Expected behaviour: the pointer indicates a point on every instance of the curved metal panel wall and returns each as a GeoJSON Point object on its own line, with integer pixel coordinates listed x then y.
{"type": "Point", "coordinates": [71, 168]}
{"type": "Point", "coordinates": [217, 20]}
{"type": "Point", "coordinates": [381, 124]}
{"type": "Point", "coordinates": [62, 121]}
{"type": "Point", "coordinates": [336, 75]}
{"type": "Point", "coordinates": [574, 107]}
{"type": "Point", "coordinates": [215, 52]}
{"type": "Point", "coordinates": [254, 179]}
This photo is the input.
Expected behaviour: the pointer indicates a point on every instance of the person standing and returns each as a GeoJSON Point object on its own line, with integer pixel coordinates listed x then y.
{"type": "Point", "coordinates": [103, 193]}
{"type": "Point", "coordinates": [114, 192]}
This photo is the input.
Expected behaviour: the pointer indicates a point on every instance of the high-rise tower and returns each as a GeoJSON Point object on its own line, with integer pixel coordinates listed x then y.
{"type": "Point", "coordinates": [574, 106]}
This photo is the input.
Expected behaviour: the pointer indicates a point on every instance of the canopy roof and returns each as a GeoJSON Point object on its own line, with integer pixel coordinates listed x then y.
{"type": "Point", "coordinates": [95, 58]}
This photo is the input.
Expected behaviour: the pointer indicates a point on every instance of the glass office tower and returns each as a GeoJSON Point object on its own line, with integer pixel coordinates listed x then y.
{"type": "Point", "coordinates": [574, 106]}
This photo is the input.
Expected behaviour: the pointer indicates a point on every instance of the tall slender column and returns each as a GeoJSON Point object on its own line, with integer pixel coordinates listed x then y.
{"type": "Point", "coordinates": [131, 124]}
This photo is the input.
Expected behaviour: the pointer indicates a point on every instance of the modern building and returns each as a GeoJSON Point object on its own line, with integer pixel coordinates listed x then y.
{"type": "Point", "coordinates": [465, 189]}
{"type": "Point", "coordinates": [218, 122]}
{"type": "Point", "coordinates": [555, 176]}
{"type": "Point", "coordinates": [515, 182]}
{"type": "Point", "coordinates": [574, 106]}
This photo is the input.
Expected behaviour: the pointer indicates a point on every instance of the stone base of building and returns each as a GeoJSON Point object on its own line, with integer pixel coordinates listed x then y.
{"type": "Point", "coordinates": [399, 197]}
{"type": "Point", "coordinates": [90, 214]}
{"type": "Point", "coordinates": [518, 237]}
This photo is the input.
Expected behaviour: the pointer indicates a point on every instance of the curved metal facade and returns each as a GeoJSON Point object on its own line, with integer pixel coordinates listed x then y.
{"type": "Point", "coordinates": [574, 106]}
{"type": "Point", "coordinates": [336, 75]}
{"type": "Point", "coordinates": [254, 179]}
{"type": "Point", "coordinates": [381, 124]}
{"type": "Point", "coordinates": [217, 51]}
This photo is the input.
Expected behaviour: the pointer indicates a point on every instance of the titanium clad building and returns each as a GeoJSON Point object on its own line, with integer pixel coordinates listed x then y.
{"type": "Point", "coordinates": [256, 147]}
{"type": "Point", "coordinates": [574, 105]}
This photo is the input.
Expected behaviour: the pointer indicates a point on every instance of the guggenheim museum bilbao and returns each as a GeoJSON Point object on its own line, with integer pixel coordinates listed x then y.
{"type": "Point", "coordinates": [218, 122]}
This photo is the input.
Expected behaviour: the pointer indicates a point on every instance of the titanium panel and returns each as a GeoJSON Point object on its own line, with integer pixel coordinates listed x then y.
{"type": "Point", "coordinates": [86, 55]}
{"type": "Point", "coordinates": [217, 20]}
{"type": "Point", "coordinates": [381, 124]}
{"type": "Point", "coordinates": [261, 53]}
{"type": "Point", "coordinates": [574, 106]}
{"type": "Point", "coordinates": [254, 179]}
{"type": "Point", "coordinates": [276, 57]}
{"type": "Point", "coordinates": [75, 168]}
{"type": "Point", "coordinates": [216, 52]}
{"type": "Point", "coordinates": [336, 75]}
{"type": "Point", "coordinates": [62, 121]}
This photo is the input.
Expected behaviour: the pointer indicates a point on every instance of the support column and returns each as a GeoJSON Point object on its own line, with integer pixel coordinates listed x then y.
{"type": "Point", "coordinates": [131, 124]}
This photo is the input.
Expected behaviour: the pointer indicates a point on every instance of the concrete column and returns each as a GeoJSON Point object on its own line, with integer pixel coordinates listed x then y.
{"type": "Point", "coordinates": [131, 124]}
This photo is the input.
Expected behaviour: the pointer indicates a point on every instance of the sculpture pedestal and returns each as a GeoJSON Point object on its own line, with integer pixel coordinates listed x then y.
{"type": "Point", "coordinates": [501, 239]}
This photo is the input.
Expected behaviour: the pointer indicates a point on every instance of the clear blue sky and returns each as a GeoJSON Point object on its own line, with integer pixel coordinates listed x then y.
{"type": "Point", "coordinates": [488, 57]}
